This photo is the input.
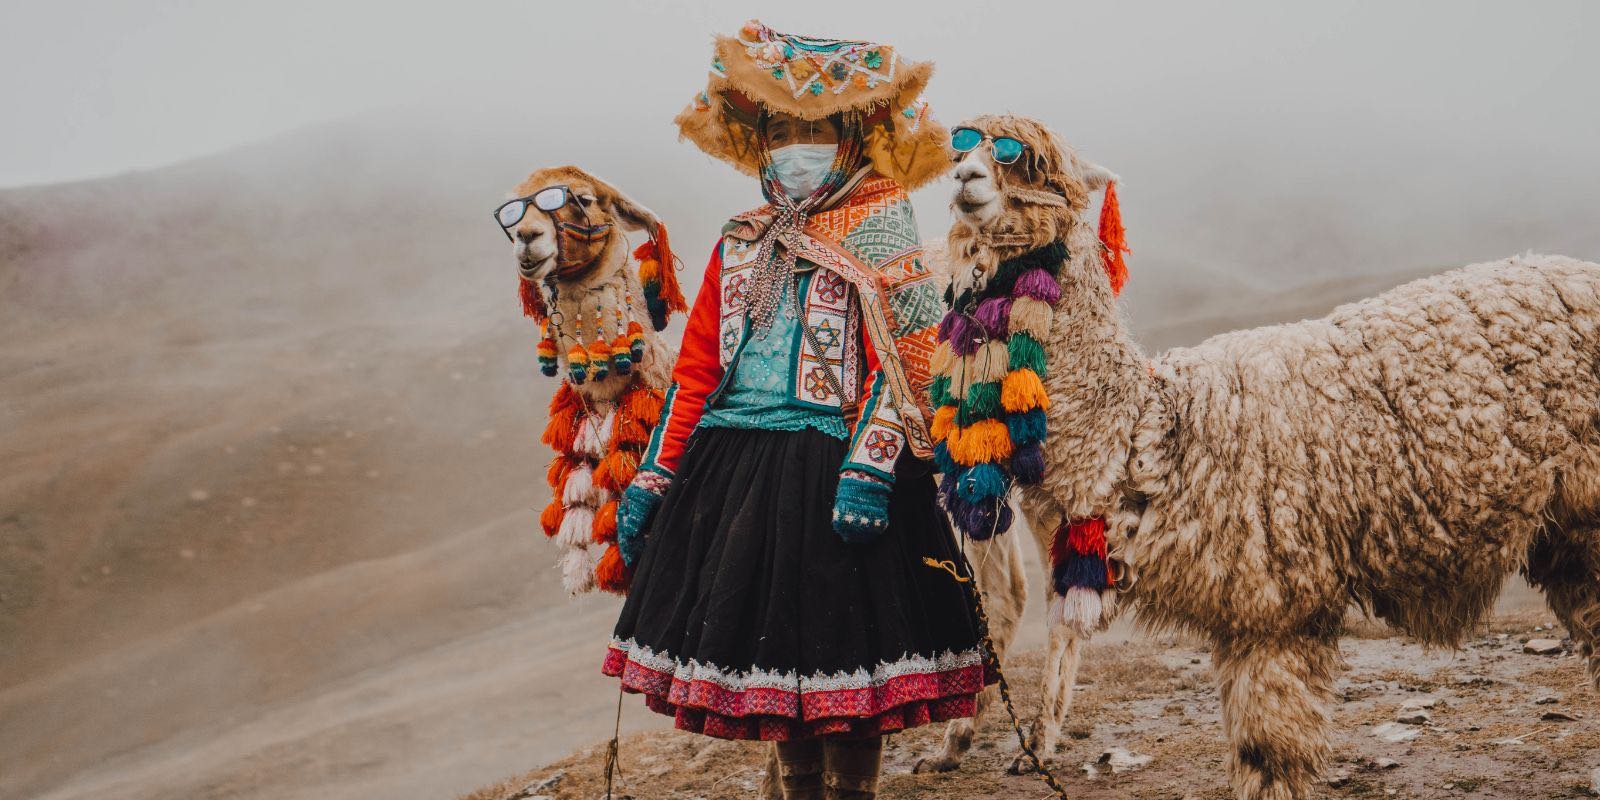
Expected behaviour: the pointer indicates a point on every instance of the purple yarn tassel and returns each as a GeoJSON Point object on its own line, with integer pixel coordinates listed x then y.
{"type": "Point", "coordinates": [994, 315]}
{"type": "Point", "coordinates": [1038, 284]}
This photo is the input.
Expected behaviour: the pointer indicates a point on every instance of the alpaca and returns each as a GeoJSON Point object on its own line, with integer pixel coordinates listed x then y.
{"type": "Point", "coordinates": [598, 317]}
{"type": "Point", "coordinates": [1405, 453]}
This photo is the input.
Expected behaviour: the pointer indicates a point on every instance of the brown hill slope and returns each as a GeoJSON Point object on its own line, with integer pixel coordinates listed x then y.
{"type": "Point", "coordinates": [269, 457]}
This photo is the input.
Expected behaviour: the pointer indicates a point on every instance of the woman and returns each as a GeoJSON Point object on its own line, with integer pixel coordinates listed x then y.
{"type": "Point", "coordinates": [794, 578]}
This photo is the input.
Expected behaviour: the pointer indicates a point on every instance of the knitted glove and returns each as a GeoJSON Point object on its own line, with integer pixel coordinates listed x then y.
{"type": "Point", "coordinates": [638, 505]}
{"type": "Point", "coordinates": [861, 508]}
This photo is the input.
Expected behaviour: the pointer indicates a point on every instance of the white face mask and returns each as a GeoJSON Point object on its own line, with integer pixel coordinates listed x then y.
{"type": "Point", "coordinates": [801, 168]}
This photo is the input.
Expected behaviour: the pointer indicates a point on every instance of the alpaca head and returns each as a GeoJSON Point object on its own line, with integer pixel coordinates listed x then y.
{"type": "Point", "coordinates": [571, 241]}
{"type": "Point", "coordinates": [1004, 210]}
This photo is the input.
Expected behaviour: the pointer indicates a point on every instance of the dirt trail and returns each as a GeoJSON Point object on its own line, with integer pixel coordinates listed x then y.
{"type": "Point", "coordinates": [1501, 723]}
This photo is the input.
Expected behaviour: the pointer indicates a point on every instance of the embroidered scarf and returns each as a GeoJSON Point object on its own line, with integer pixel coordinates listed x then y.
{"type": "Point", "coordinates": [865, 232]}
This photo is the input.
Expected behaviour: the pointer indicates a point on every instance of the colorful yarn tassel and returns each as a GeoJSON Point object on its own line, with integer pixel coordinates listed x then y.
{"type": "Point", "coordinates": [988, 389]}
{"type": "Point", "coordinates": [577, 364]}
{"type": "Point", "coordinates": [546, 351]}
{"type": "Point", "coordinates": [532, 302]}
{"type": "Point", "coordinates": [622, 354]}
{"type": "Point", "coordinates": [636, 342]}
{"type": "Point", "coordinates": [611, 574]}
{"type": "Point", "coordinates": [599, 360]}
{"type": "Point", "coordinates": [662, 295]}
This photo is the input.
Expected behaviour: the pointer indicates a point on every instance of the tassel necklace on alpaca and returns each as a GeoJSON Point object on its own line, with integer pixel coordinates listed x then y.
{"type": "Point", "coordinates": [990, 427]}
{"type": "Point", "coordinates": [597, 453]}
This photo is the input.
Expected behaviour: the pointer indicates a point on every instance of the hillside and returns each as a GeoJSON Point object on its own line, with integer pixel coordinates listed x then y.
{"type": "Point", "coordinates": [270, 460]}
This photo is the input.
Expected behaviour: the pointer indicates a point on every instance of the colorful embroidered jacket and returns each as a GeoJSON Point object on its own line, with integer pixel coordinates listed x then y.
{"type": "Point", "coordinates": [871, 306]}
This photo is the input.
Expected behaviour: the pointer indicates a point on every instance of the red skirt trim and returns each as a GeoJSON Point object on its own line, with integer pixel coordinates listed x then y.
{"type": "Point", "coordinates": [768, 713]}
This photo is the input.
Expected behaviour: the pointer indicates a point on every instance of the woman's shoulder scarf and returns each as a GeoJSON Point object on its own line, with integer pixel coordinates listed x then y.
{"type": "Point", "coordinates": [870, 240]}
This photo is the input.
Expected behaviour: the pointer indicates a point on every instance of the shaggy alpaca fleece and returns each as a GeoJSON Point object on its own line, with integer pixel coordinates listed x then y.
{"type": "Point", "coordinates": [1405, 453]}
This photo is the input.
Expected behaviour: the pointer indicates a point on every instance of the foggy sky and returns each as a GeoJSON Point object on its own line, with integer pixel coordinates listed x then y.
{"type": "Point", "coordinates": [93, 88]}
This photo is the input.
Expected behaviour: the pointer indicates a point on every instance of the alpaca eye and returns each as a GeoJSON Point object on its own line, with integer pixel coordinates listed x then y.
{"type": "Point", "coordinates": [586, 200]}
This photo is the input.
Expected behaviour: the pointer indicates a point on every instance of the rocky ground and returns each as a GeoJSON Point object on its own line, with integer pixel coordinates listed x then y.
{"type": "Point", "coordinates": [1494, 719]}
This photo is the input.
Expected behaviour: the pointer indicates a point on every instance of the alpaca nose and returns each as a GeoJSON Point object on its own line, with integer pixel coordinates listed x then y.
{"type": "Point", "coordinates": [528, 235]}
{"type": "Point", "coordinates": [971, 169]}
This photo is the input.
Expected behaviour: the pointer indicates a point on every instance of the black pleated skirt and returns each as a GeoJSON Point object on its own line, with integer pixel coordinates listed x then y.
{"type": "Point", "coordinates": [749, 618]}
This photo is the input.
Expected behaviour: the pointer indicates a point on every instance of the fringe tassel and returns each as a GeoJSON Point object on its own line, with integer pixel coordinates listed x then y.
{"type": "Point", "coordinates": [1031, 317]}
{"type": "Point", "coordinates": [1113, 239]}
{"type": "Point", "coordinates": [943, 420]}
{"type": "Point", "coordinates": [550, 518]}
{"type": "Point", "coordinates": [616, 470]}
{"type": "Point", "coordinates": [577, 526]}
{"type": "Point", "coordinates": [1023, 391]}
{"type": "Point", "coordinates": [577, 571]}
{"type": "Point", "coordinates": [532, 302]}
{"type": "Point", "coordinates": [605, 523]}
{"type": "Point", "coordinates": [611, 574]}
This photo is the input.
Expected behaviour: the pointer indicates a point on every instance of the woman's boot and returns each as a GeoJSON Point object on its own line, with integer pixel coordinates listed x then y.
{"type": "Point", "coordinates": [850, 768]}
{"type": "Point", "coordinates": [800, 769]}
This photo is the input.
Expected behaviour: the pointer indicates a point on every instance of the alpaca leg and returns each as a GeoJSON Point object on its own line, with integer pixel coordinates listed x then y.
{"type": "Point", "coordinates": [1566, 567]}
{"type": "Point", "coordinates": [1003, 583]}
{"type": "Point", "coordinates": [1060, 678]}
{"type": "Point", "coordinates": [1275, 695]}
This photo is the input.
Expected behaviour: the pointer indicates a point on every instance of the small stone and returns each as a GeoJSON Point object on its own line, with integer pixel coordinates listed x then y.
{"type": "Point", "coordinates": [1396, 732]}
{"type": "Point", "coordinates": [1419, 703]}
{"type": "Point", "coordinates": [1558, 716]}
{"type": "Point", "coordinates": [1194, 661]}
{"type": "Point", "coordinates": [1386, 763]}
{"type": "Point", "coordinates": [1119, 760]}
{"type": "Point", "coordinates": [1447, 787]}
{"type": "Point", "coordinates": [1339, 779]}
{"type": "Point", "coordinates": [1547, 700]}
{"type": "Point", "coordinates": [1594, 781]}
{"type": "Point", "coordinates": [1542, 647]}
{"type": "Point", "coordinates": [1414, 718]}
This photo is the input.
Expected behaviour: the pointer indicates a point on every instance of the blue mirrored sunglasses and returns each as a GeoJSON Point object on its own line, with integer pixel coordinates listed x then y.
{"type": "Point", "coordinates": [1006, 149]}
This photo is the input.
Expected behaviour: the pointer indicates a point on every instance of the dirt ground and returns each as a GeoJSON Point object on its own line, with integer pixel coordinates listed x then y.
{"type": "Point", "coordinates": [1501, 723]}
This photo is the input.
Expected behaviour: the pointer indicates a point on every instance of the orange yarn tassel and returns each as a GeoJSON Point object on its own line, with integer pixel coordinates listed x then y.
{"type": "Point", "coordinates": [943, 420]}
{"type": "Point", "coordinates": [671, 293]}
{"type": "Point", "coordinates": [561, 431]}
{"type": "Point", "coordinates": [566, 399]}
{"type": "Point", "coordinates": [1023, 391]}
{"type": "Point", "coordinates": [550, 518]}
{"type": "Point", "coordinates": [605, 523]}
{"type": "Point", "coordinates": [616, 470]}
{"type": "Point", "coordinates": [981, 442]}
{"type": "Point", "coordinates": [556, 473]}
{"type": "Point", "coordinates": [611, 574]}
{"type": "Point", "coordinates": [1114, 238]}
{"type": "Point", "coordinates": [644, 404]}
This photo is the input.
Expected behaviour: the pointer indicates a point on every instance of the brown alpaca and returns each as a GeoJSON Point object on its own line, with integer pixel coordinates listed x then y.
{"type": "Point", "coordinates": [1406, 453]}
{"type": "Point", "coordinates": [590, 281]}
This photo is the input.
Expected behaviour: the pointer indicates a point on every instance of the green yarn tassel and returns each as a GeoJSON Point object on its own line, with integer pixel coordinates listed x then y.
{"type": "Point", "coordinates": [983, 402]}
{"type": "Point", "coordinates": [939, 392]}
{"type": "Point", "coordinates": [1026, 353]}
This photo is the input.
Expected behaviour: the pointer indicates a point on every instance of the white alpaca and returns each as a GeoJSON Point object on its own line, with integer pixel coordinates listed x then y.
{"type": "Point", "coordinates": [1405, 453]}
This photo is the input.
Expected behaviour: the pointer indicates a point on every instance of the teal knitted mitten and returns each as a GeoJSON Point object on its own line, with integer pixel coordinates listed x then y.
{"type": "Point", "coordinates": [861, 508]}
{"type": "Point", "coordinates": [638, 504]}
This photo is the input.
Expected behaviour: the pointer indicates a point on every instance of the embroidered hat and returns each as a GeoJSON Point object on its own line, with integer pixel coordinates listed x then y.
{"type": "Point", "coordinates": [812, 79]}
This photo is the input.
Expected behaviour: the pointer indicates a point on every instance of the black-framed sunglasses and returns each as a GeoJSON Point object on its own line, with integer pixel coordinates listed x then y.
{"type": "Point", "coordinates": [547, 199]}
{"type": "Point", "coordinates": [1006, 149]}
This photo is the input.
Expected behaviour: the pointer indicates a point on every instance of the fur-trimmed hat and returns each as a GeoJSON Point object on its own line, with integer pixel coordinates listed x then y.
{"type": "Point", "coordinates": [812, 79]}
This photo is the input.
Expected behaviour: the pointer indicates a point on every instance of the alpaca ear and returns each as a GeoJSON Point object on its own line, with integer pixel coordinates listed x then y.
{"type": "Point", "coordinates": [629, 214]}
{"type": "Point", "coordinates": [1096, 177]}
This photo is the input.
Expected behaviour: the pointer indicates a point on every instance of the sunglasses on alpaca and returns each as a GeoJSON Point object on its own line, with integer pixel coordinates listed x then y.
{"type": "Point", "coordinates": [1006, 149]}
{"type": "Point", "coordinates": [548, 200]}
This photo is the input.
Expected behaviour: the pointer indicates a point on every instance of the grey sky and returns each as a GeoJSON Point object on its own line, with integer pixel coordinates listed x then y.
{"type": "Point", "coordinates": [92, 88]}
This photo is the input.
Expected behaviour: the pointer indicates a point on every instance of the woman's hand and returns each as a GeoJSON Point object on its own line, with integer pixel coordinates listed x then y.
{"type": "Point", "coordinates": [638, 504]}
{"type": "Point", "coordinates": [861, 507]}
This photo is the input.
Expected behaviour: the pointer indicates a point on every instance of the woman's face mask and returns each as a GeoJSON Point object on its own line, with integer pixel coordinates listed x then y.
{"type": "Point", "coordinates": [801, 168]}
